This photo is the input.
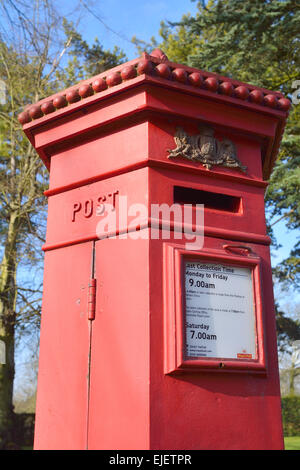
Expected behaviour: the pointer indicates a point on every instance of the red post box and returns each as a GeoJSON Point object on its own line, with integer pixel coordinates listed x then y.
{"type": "Point", "coordinates": [158, 326]}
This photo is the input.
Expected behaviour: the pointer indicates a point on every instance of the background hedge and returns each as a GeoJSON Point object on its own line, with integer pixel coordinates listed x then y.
{"type": "Point", "coordinates": [291, 415]}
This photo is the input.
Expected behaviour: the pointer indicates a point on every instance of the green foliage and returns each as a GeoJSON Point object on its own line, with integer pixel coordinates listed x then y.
{"type": "Point", "coordinates": [255, 40]}
{"type": "Point", "coordinates": [85, 60]}
{"type": "Point", "coordinates": [291, 415]}
{"type": "Point", "coordinates": [24, 430]}
{"type": "Point", "coordinates": [288, 329]}
{"type": "Point", "coordinates": [178, 43]}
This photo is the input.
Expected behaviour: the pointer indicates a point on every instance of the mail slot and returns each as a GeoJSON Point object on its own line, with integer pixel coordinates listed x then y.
{"type": "Point", "coordinates": [216, 201]}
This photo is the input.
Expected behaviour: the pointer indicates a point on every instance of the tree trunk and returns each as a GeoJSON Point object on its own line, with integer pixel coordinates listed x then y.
{"type": "Point", "coordinates": [292, 381]}
{"type": "Point", "coordinates": [293, 373]}
{"type": "Point", "coordinates": [7, 372]}
{"type": "Point", "coordinates": [8, 294]}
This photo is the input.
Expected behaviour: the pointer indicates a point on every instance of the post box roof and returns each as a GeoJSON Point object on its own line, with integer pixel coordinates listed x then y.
{"type": "Point", "coordinates": [158, 70]}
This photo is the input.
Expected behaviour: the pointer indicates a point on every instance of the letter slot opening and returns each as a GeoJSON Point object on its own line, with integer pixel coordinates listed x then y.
{"type": "Point", "coordinates": [216, 201]}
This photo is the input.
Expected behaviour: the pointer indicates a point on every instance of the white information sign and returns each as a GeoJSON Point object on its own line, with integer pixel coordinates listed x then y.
{"type": "Point", "coordinates": [219, 311]}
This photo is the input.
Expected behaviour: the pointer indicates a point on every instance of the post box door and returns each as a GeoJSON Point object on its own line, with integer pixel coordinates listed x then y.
{"type": "Point", "coordinates": [62, 399]}
{"type": "Point", "coordinates": [119, 375]}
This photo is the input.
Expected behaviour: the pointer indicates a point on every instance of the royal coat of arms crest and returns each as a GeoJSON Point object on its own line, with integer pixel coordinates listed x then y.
{"type": "Point", "coordinates": [206, 149]}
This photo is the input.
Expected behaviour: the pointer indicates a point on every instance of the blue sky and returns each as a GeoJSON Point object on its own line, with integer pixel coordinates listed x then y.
{"type": "Point", "coordinates": [120, 20]}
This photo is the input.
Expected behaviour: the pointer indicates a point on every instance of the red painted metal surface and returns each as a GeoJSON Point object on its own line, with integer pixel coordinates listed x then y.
{"type": "Point", "coordinates": [112, 374]}
{"type": "Point", "coordinates": [237, 409]}
{"type": "Point", "coordinates": [119, 415]}
{"type": "Point", "coordinates": [62, 401]}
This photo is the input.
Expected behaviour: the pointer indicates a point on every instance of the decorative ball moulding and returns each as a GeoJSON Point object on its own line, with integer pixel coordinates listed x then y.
{"type": "Point", "coordinates": [163, 70]}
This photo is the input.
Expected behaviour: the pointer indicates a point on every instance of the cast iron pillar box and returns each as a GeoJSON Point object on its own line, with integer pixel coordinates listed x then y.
{"type": "Point", "coordinates": [158, 330]}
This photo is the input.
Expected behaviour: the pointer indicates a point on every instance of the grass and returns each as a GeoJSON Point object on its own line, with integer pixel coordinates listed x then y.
{"type": "Point", "coordinates": [292, 443]}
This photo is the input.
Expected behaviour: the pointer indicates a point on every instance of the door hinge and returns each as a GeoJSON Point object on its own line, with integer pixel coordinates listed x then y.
{"type": "Point", "coordinates": [92, 299]}
{"type": "Point", "coordinates": [92, 287]}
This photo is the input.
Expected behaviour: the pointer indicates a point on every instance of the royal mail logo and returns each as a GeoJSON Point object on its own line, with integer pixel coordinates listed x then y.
{"type": "Point", "coordinates": [244, 356]}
